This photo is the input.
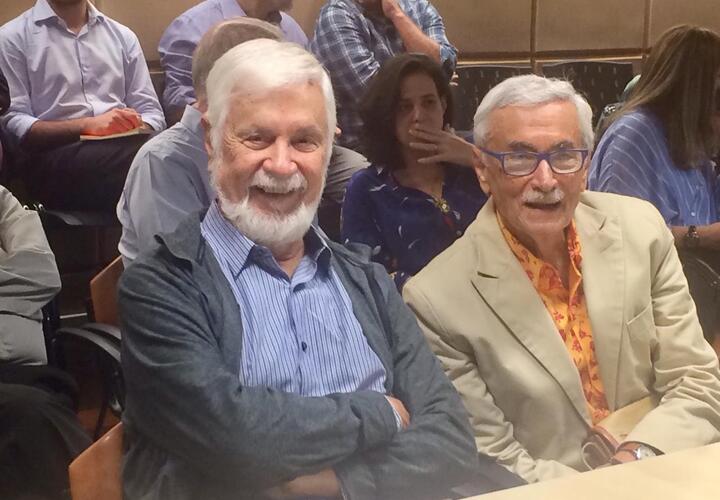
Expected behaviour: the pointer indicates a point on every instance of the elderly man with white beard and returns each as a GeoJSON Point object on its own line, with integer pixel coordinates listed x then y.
{"type": "Point", "coordinates": [261, 359]}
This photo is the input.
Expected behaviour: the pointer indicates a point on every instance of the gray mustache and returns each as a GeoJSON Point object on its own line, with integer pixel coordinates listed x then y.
{"type": "Point", "coordinates": [544, 198]}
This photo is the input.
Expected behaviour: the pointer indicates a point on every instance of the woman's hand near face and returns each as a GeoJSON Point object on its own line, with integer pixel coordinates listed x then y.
{"type": "Point", "coordinates": [441, 146]}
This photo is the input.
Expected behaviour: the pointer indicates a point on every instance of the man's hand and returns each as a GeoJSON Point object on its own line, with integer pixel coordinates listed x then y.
{"type": "Point", "coordinates": [399, 407]}
{"type": "Point", "coordinates": [391, 8]}
{"type": "Point", "coordinates": [442, 146]}
{"type": "Point", "coordinates": [323, 484]}
{"type": "Point", "coordinates": [114, 121]}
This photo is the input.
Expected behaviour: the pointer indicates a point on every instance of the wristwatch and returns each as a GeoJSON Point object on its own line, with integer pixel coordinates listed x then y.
{"type": "Point", "coordinates": [638, 450]}
{"type": "Point", "coordinates": [691, 240]}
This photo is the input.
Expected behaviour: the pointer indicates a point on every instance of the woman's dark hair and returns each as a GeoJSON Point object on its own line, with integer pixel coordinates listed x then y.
{"type": "Point", "coordinates": [379, 105]}
{"type": "Point", "coordinates": [678, 86]}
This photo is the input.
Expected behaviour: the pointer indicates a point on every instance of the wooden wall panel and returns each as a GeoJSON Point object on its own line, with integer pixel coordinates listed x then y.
{"type": "Point", "coordinates": [487, 26]}
{"type": "Point", "coordinates": [305, 13]}
{"type": "Point", "coordinates": [589, 25]}
{"type": "Point", "coordinates": [665, 14]}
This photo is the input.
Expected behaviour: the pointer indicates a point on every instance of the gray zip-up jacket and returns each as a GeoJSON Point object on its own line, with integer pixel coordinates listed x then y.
{"type": "Point", "coordinates": [194, 431]}
{"type": "Point", "coordinates": [29, 279]}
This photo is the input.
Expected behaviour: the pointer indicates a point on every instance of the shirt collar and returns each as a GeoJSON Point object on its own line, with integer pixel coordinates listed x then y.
{"type": "Point", "coordinates": [236, 250]}
{"type": "Point", "coordinates": [524, 255]}
{"type": "Point", "coordinates": [192, 119]}
{"type": "Point", "coordinates": [42, 11]}
{"type": "Point", "coordinates": [230, 8]}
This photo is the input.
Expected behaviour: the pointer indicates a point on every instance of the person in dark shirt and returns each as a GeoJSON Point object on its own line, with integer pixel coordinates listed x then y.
{"type": "Point", "coordinates": [419, 195]}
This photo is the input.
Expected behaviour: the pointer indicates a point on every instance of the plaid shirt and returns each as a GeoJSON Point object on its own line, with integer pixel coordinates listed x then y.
{"type": "Point", "coordinates": [352, 47]}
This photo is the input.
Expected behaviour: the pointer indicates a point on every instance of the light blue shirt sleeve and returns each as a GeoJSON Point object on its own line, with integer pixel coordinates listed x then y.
{"type": "Point", "coordinates": [139, 91]}
{"type": "Point", "coordinates": [633, 159]}
{"type": "Point", "coordinates": [168, 180]}
{"type": "Point", "coordinates": [19, 117]}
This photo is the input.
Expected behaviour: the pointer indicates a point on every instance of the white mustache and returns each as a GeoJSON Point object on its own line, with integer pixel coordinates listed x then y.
{"type": "Point", "coordinates": [278, 185]}
{"type": "Point", "coordinates": [544, 198]}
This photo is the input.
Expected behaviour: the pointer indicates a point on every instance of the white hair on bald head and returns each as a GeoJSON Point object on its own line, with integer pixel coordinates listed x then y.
{"type": "Point", "coordinates": [258, 67]}
{"type": "Point", "coordinates": [532, 90]}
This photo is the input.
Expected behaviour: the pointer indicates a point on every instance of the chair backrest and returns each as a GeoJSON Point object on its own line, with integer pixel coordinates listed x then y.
{"type": "Point", "coordinates": [704, 284]}
{"type": "Point", "coordinates": [474, 81]}
{"type": "Point", "coordinates": [96, 473]}
{"type": "Point", "coordinates": [103, 293]}
{"type": "Point", "coordinates": [602, 82]}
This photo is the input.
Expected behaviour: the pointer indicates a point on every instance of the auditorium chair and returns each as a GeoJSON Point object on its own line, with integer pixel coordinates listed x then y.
{"type": "Point", "coordinates": [602, 82]}
{"type": "Point", "coordinates": [473, 82]}
{"type": "Point", "coordinates": [96, 473]}
{"type": "Point", "coordinates": [103, 337]}
{"type": "Point", "coordinates": [704, 283]}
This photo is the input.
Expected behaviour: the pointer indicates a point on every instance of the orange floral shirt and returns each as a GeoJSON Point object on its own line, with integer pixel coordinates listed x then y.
{"type": "Point", "coordinates": [568, 310]}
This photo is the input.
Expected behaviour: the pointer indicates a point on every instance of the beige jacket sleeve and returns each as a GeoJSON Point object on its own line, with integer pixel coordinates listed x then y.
{"type": "Point", "coordinates": [684, 366]}
{"type": "Point", "coordinates": [493, 433]}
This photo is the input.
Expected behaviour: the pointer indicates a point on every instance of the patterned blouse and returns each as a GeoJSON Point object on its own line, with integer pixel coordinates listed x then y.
{"type": "Point", "coordinates": [569, 312]}
{"type": "Point", "coordinates": [407, 227]}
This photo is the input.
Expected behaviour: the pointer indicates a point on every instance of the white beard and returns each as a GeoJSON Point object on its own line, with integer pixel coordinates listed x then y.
{"type": "Point", "coordinates": [267, 229]}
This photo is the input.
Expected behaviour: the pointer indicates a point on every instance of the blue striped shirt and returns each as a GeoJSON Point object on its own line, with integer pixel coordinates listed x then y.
{"type": "Point", "coordinates": [633, 159]}
{"type": "Point", "coordinates": [300, 334]}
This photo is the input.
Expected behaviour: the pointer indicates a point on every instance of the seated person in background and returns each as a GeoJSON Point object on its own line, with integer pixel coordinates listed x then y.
{"type": "Point", "coordinates": [661, 143]}
{"type": "Point", "coordinates": [260, 358]}
{"type": "Point", "coordinates": [182, 36]}
{"type": "Point", "coordinates": [558, 306]}
{"type": "Point", "coordinates": [39, 433]}
{"type": "Point", "coordinates": [169, 177]}
{"type": "Point", "coordinates": [354, 37]}
{"type": "Point", "coordinates": [72, 71]}
{"type": "Point", "coordinates": [420, 193]}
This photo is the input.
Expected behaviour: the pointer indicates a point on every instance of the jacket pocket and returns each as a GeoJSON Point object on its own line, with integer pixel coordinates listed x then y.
{"type": "Point", "coordinates": [638, 345]}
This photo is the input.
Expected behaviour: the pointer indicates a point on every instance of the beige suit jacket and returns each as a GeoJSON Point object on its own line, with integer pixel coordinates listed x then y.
{"type": "Point", "coordinates": [501, 349]}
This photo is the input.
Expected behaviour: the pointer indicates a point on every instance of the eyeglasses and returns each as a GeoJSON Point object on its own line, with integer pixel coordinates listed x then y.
{"type": "Point", "coordinates": [520, 163]}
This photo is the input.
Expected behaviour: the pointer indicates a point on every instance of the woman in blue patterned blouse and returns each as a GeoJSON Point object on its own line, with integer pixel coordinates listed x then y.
{"type": "Point", "coordinates": [419, 194]}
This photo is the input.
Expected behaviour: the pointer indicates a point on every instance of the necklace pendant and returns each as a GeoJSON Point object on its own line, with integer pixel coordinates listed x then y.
{"type": "Point", "coordinates": [443, 205]}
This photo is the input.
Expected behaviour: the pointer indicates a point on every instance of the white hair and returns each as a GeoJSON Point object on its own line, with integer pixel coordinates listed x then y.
{"type": "Point", "coordinates": [532, 90]}
{"type": "Point", "coordinates": [258, 67]}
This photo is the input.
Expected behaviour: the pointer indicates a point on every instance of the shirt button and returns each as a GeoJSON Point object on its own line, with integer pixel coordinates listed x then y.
{"type": "Point", "coordinates": [692, 213]}
{"type": "Point", "coordinates": [458, 233]}
{"type": "Point", "coordinates": [303, 345]}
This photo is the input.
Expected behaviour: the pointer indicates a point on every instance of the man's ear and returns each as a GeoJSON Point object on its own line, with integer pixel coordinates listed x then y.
{"type": "Point", "coordinates": [586, 171]}
{"type": "Point", "coordinates": [208, 133]}
{"type": "Point", "coordinates": [481, 170]}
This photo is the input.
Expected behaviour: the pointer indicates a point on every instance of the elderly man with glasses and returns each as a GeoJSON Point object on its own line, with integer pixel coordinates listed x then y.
{"type": "Point", "coordinates": [559, 307]}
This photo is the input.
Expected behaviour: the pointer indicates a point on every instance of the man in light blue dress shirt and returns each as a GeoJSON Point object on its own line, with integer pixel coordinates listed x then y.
{"type": "Point", "coordinates": [71, 71]}
{"type": "Point", "coordinates": [260, 359]}
{"type": "Point", "coordinates": [182, 36]}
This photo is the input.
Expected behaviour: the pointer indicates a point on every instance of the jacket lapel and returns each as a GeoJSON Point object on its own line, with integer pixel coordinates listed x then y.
{"type": "Point", "coordinates": [505, 287]}
{"type": "Point", "coordinates": [603, 283]}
